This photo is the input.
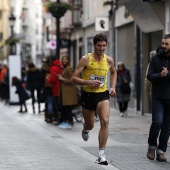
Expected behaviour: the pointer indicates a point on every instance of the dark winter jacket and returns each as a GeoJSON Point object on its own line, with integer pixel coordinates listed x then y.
{"type": "Point", "coordinates": [34, 78]}
{"type": "Point", "coordinates": [44, 71]}
{"type": "Point", "coordinates": [126, 77]}
{"type": "Point", "coordinates": [160, 85]}
{"type": "Point", "coordinates": [21, 91]}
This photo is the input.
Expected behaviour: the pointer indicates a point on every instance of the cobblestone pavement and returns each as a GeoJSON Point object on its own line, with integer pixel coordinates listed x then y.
{"type": "Point", "coordinates": [28, 143]}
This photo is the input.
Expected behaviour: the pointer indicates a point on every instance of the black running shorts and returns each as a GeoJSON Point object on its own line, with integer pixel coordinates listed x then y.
{"type": "Point", "coordinates": [89, 100]}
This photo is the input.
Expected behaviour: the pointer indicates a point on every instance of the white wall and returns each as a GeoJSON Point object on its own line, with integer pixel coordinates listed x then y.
{"type": "Point", "coordinates": [167, 17]}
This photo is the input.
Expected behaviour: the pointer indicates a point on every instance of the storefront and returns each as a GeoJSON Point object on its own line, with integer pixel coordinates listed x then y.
{"type": "Point", "coordinates": [150, 19]}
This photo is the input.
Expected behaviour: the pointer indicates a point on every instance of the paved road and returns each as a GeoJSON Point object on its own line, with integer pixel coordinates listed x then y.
{"type": "Point", "coordinates": [28, 143]}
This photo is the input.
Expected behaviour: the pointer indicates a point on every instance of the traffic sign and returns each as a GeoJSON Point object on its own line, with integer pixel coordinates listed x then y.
{"type": "Point", "coordinates": [52, 44]}
{"type": "Point", "coordinates": [102, 24]}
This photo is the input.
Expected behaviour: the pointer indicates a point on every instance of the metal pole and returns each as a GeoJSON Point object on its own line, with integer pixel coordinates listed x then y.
{"type": "Point", "coordinates": [11, 45]}
{"type": "Point", "coordinates": [113, 32]}
{"type": "Point", "coordinates": [12, 31]}
{"type": "Point", "coordinates": [138, 68]}
{"type": "Point", "coordinates": [58, 35]}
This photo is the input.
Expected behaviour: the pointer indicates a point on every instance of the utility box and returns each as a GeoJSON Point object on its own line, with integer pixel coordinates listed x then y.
{"type": "Point", "coordinates": [14, 62]}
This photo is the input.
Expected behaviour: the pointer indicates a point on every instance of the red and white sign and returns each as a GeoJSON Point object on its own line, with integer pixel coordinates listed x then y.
{"type": "Point", "coordinates": [52, 44]}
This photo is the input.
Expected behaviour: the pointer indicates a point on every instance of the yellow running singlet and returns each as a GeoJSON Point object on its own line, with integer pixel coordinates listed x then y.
{"type": "Point", "coordinates": [96, 70]}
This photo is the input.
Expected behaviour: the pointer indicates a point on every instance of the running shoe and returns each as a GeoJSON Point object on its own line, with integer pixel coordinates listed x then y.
{"type": "Point", "coordinates": [101, 160]}
{"type": "Point", "coordinates": [85, 135]}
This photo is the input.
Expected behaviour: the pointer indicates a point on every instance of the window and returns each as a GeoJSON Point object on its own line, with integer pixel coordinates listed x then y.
{"type": "Point", "coordinates": [89, 44]}
{"type": "Point", "coordinates": [77, 11]}
{"type": "Point", "coordinates": [1, 36]}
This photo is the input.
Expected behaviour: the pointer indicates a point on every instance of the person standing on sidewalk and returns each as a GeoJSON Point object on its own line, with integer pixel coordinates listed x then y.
{"type": "Point", "coordinates": [22, 95]}
{"type": "Point", "coordinates": [34, 84]}
{"type": "Point", "coordinates": [95, 96]}
{"type": "Point", "coordinates": [55, 69]}
{"type": "Point", "coordinates": [68, 93]}
{"type": "Point", "coordinates": [159, 75]}
{"type": "Point", "coordinates": [123, 89]}
{"type": "Point", "coordinates": [47, 90]}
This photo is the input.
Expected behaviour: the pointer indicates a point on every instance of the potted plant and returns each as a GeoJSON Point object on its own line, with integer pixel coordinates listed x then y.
{"type": "Point", "coordinates": [57, 9]}
{"type": "Point", "coordinates": [12, 41]}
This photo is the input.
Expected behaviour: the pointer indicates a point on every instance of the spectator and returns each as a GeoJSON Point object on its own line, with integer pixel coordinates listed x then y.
{"type": "Point", "coordinates": [21, 93]}
{"type": "Point", "coordinates": [68, 93]}
{"type": "Point", "coordinates": [3, 72]}
{"type": "Point", "coordinates": [159, 74]}
{"type": "Point", "coordinates": [47, 91]}
{"type": "Point", "coordinates": [5, 87]}
{"type": "Point", "coordinates": [123, 89]}
{"type": "Point", "coordinates": [34, 84]}
{"type": "Point", "coordinates": [148, 84]}
{"type": "Point", "coordinates": [55, 70]}
{"type": "Point", "coordinates": [2, 75]}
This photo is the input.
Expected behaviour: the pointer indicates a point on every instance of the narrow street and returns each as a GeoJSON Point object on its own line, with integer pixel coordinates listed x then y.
{"type": "Point", "coordinates": [28, 143]}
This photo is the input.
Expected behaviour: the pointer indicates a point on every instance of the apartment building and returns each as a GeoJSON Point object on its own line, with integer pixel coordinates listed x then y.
{"type": "Point", "coordinates": [31, 31]}
{"type": "Point", "coordinates": [4, 32]}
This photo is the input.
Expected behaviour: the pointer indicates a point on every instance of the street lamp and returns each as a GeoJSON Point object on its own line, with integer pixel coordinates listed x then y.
{"type": "Point", "coordinates": [113, 4]}
{"type": "Point", "coordinates": [11, 23]}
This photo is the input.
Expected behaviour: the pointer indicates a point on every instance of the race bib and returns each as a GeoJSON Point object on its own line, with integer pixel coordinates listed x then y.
{"type": "Point", "coordinates": [99, 78]}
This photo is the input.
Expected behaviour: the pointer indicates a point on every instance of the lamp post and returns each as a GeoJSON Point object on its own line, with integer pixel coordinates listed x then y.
{"type": "Point", "coordinates": [113, 4]}
{"type": "Point", "coordinates": [12, 22]}
{"type": "Point", "coordinates": [58, 35]}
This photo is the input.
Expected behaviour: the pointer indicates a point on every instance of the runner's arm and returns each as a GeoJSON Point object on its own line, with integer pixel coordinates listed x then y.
{"type": "Point", "coordinates": [77, 80]}
{"type": "Point", "coordinates": [76, 75]}
{"type": "Point", "coordinates": [113, 76]}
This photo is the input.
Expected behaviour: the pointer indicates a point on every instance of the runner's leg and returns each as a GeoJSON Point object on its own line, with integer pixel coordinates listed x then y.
{"type": "Point", "coordinates": [103, 109]}
{"type": "Point", "coordinates": [88, 119]}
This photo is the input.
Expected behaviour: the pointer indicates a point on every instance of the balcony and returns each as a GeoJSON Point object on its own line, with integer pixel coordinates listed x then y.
{"type": "Point", "coordinates": [24, 17]}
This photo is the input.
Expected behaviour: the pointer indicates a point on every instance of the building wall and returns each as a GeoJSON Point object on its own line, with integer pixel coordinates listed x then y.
{"type": "Point", "coordinates": [32, 33]}
{"type": "Point", "coordinates": [92, 9]}
{"type": "Point", "coordinates": [4, 28]}
{"type": "Point", "coordinates": [167, 17]}
{"type": "Point", "coordinates": [83, 36]}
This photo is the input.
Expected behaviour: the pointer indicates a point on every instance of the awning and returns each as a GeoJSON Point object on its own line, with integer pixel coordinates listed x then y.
{"type": "Point", "coordinates": [143, 15]}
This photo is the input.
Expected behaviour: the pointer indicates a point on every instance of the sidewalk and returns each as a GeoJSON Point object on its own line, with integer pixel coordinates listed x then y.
{"type": "Point", "coordinates": [28, 143]}
{"type": "Point", "coordinates": [130, 135]}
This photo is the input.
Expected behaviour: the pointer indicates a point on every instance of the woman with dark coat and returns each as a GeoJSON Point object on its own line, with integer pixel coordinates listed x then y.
{"type": "Point", "coordinates": [123, 88]}
{"type": "Point", "coordinates": [34, 84]}
{"type": "Point", "coordinates": [21, 93]}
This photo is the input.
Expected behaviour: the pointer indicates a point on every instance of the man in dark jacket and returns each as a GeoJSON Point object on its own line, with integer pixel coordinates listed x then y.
{"type": "Point", "coordinates": [159, 75]}
{"type": "Point", "coordinates": [34, 84]}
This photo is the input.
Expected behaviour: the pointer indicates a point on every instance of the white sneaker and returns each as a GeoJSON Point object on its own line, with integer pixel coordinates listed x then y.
{"type": "Point", "coordinates": [101, 160]}
{"type": "Point", "coordinates": [85, 135]}
{"type": "Point", "coordinates": [121, 114]}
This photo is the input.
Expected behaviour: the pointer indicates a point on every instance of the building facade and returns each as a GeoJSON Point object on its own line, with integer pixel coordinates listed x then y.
{"type": "Point", "coordinates": [138, 28]}
{"type": "Point", "coordinates": [4, 32]}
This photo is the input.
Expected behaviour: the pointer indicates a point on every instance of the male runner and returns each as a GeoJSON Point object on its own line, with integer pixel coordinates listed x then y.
{"type": "Point", "coordinates": [95, 96]}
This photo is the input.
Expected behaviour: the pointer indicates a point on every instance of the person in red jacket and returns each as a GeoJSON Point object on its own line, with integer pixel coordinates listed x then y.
{"type": "Point", "coordinates": [55, 70]}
